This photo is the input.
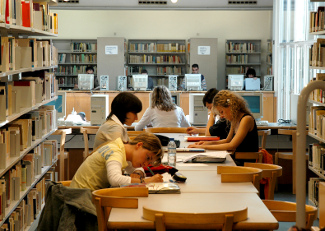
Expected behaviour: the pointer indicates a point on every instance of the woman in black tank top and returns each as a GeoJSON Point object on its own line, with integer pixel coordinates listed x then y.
{"type": "Point", "coordinates": [243, 135]}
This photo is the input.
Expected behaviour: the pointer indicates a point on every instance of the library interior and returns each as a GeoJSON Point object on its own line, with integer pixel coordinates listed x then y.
{"type": "Point", "coordinates": [84, 85]}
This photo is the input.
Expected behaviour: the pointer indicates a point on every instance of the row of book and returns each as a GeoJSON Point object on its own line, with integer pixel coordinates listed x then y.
{"type": "Point", "coordinates": [169, 70]}
{"type": "Point", "coordinates": [269, 59]}
{"type": "Point", "coordinates": [237, 70]}
{"type": "Point", "coordinates": [28, 14]}
{"type": "Point", "coordinates": [83, 47]}
{"type": "Point", "coordinates": [148, 59]}
{"type": "Point", "coordinates": [318, 94]}
{"type": "Point", "coordinates": [269, 47]}
{"type": "Point", "coordinates": [233, 47]}
{"type": "Point", "coordinates": [313, 190]}
{"type": "Point", "coordinates": [80, 58]}
{"type": "Point", "coordinates": [17, 96]}
{"type": "Point", "coordinates": [317, 19]}
{"type": "Point", "coordinates": [19, 53]}
{"type": "Point", "coordinates": [20, 134]}
{"type": "Point", "coordinates": [68, 80]}
{"type": "Point", "coordinates": [317, 53]}
{"type": "Point", "coordinates": [317, 121]}
{"type": "Point", "coordinates": [238, 59]}
{"type": "Point", "coordinates": [269, 70]}
{"type": "Point", "coordinates": [316, 158]}
{"type": "Point", "coordinates": [29, 207]}
{"type": "Point", "coordinates": [73, 70]}
{"type": "Point", "coordinates": [156, 47]}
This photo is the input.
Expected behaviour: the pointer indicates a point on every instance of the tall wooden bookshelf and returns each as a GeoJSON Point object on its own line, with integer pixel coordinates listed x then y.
{"type": "Point", "coordinates": [74, 57]}
{"type": "Point", "coordinates": [241, 55]}
{"type": "Point", "coordinates": [27, 83]}
{"type": "Point", "coordinates": [159, 57]}
{"type": "Point", "coordinates": [269, 66]}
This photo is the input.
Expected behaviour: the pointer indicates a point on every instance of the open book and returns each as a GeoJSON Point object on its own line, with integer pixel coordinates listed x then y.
{"type": "Point", "coordinates": [158, 188]}
{"type": "Point", "coordinates": [209, 157]}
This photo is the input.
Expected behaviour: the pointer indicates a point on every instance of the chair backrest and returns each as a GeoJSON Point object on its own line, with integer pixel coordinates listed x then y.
{"type": "Point", "coordinates": [263, 134]}
{"type": "Point", "coordinates": [108, 198]}
{"type": "Point", "coordinates": [63, 133]}
{"type": "Point", "coordinates": [65, 183]}
{"type": "Point", "coordinates": [133, 134]}
{"type": "Point", "coordinates": [269, 171]}
{"type": "Point", "coordinates": [285, 211]}
{"type": "Point", "coordinates": [173, 220]}
{"type": "Point", "coordinates": [258, 156]}
{"type": "Point", "coordinates": [237, 174]}
{"type": "Point", "coordinates": [166, 130]}
{"type": "Point", "coordinates": [87, 131]}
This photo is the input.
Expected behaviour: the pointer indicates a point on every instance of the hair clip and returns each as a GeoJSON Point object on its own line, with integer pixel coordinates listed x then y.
{"type": "Point", "coordinates": [228, 100]}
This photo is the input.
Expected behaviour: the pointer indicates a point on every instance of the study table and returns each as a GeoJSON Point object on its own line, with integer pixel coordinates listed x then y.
{"type": "Point", "coordinates": [202, 192]}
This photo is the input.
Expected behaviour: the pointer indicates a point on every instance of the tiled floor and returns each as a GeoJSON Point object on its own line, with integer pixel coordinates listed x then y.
{"type": "Point", "coordinates": [284, 193]}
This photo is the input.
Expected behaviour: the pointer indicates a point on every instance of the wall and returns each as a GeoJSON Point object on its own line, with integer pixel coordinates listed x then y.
{"type": "Point", "coordinates": [140, 24]}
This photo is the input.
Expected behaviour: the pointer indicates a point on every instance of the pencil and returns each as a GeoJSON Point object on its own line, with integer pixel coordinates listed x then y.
{"type": "Point", "coordinates": [151, 171]}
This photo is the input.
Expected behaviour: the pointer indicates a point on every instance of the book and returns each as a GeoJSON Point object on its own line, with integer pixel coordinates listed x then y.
{"type": "Point", "coordinates": [201, 138]}
{"type": "Point", "coordinates": [210, 157]}
{"type": "Point", "coordinates": [157, 188]}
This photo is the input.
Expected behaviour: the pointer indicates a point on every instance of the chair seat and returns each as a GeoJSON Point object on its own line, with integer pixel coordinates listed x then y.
{"type": "Point", "coordinates": [286, 155]}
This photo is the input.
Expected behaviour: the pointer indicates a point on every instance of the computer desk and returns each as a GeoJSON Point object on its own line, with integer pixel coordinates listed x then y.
{"type": "Point", "coordinates": [202, 192]}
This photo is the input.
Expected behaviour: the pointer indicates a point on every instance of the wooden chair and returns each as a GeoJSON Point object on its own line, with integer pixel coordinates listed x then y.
{"type": "Point", "coordinates": [269, 171]}
{"type": "Point", "coordinates": [289, 155]}
{"type": "Point", "coordinates": [263, 135]}
{"type": "Point", "coordinates": [133, 134]}
{"type": "Point", "coordinates": [87, 131]}
{"type": "Point", "coordinates": [173, 220]}
{"type": "Point", "coordinates": [63, 133]}
{"type": "Point", "coordinates": [236, 174]}
{"type": "Point", "coordinates": [66, 182]}
{"type": "Point", "coordinates": [166, 130]}
{"type": "Point", "coordinates": [108, 198]}
{"type": "Point", "coordinates": [285, 211]}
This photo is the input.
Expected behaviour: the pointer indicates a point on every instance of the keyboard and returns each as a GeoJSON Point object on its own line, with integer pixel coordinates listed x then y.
{"type": "Point", "coordinates": [262, 123]}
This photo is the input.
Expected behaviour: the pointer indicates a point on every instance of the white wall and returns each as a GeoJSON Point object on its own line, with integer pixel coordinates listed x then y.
{"type": "Point", "coordinates": [140, 24]}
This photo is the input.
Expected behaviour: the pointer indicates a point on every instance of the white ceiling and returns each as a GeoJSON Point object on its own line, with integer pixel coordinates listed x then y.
{"type": "Point", "coordinates": [154, 5]}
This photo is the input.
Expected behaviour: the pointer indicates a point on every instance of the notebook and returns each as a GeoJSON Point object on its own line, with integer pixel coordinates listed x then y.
{"type": "Point", "coordinates": [157, 188]}
{"type": "Point", "coordinates": [201, 138]}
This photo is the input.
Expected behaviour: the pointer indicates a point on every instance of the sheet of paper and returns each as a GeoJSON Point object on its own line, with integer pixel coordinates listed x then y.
{"type": "Point", "coordinates": [219, 154]}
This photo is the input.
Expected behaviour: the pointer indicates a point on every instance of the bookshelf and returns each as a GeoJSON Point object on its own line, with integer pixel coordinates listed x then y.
{"type": "Point", "coordinates": [27, 83]}
{"type": "Point", "coordinates": [74, 56]}
{"type": "Point", "coordinates": [241, 55]}
{"type": "Point", "coordinates": [159, 57]}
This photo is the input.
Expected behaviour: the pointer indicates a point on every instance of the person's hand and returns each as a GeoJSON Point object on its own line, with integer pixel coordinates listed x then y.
{"type": "Point", "coordinates": [191, 130]}
{"type": "Point", "coordinates": [155, 178]}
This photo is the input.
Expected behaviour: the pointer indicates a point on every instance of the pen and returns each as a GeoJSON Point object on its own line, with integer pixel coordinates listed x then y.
{"type": "Point", "coordinates": [151, 171]}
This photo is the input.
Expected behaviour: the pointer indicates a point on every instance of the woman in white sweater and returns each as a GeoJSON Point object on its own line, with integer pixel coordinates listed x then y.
{"type": "Point", "coordinates": [162, 111]}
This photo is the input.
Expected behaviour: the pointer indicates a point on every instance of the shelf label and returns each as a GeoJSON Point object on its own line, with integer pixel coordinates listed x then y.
{"type": "Point", "coordinates": [111, 50]}
{"type": "Point", "coordinates": [203, 50]}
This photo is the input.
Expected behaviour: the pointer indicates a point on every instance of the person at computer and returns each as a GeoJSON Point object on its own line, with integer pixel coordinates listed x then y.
{"type": "Point", "coordinates": [90, 70]}
{"type": "Point", "coordinates": [219, 128]}
{"type": "Point", "coordinates": [103, 168]}
{"type": "Point", "coordinates": [150, 80]}
{"type": "Point", "coordinates": [251, 73]}
{"type": "Point", "coordinates": [195, 70]}
{"type": "Point", "coordinates": [243, 135]}
{"type": "Point", "coordinates": [162, 112]}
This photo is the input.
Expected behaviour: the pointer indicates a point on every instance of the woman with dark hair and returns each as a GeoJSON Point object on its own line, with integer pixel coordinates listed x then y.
{"type": "Point", "coordinates": [162, 112]}
{"type": "Point", "coordinates": [124, 110]}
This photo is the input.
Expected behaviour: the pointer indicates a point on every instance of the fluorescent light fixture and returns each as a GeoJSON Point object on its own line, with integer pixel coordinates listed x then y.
{"type": "Point", "coordinates": [174, 1]}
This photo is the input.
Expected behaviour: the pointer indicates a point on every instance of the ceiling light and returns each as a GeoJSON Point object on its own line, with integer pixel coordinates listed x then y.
{"type": "Point", "coordinates": [173, 1]}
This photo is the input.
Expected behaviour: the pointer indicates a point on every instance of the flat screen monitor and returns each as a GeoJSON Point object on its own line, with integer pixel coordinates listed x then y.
{"type": "Point", "coordinates": [60, 104]}
{"type": "Point", "coordinates": [86, 81]}
{"type": "Point", "coordinates": [140, 82]}
{"type": "Point", "coordinates": [255, 102]}
{"type": "Point", "coordinates": [193, 82]}
{"type": "Point", "coordinates": [235, 82]}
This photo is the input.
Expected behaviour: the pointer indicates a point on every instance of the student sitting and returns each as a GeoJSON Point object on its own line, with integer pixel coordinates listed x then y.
{"type": "Point", "coordinates": [220, 128]}
{"type": "Point", "coordinates": [243, 135]}
{"type": "Point", "coordinates": [162, 112]}
{"type": "Point", "coordinates": [103, 168]}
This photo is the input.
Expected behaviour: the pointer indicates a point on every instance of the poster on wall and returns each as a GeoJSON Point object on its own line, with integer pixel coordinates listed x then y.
{"type": "Point", "coordinates": [203, 50]}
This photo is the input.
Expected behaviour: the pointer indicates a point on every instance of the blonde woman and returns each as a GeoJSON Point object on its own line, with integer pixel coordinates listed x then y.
{"type": "Point", "coordinates": [162, 112]}
{"type": "Point", "coordinates": [243, 135]}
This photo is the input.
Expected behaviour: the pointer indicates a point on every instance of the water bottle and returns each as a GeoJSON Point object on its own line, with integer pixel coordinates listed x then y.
{"type": "Point", "coordinates": [172, 152]}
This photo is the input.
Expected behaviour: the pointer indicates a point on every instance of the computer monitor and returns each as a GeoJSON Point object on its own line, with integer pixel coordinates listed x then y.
{"type": "Point", "coordinates": [255, 102]}
{"type": "Point", "coordinates": [235, 82]}
{"type": "Point", "coordinates": [140, 82]}
{"type": "Point", "coordinates": [193, 82]}
{"type": "Point", "coordinates": [176, 98]}
{"type": "Point", "coordinates": [60, 104]}
{"type": "Point", "coordinates": [85, 81]}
